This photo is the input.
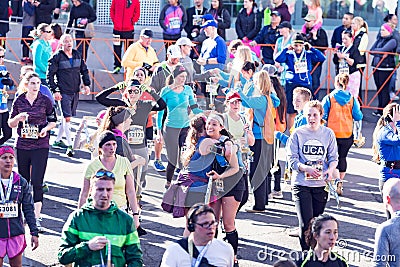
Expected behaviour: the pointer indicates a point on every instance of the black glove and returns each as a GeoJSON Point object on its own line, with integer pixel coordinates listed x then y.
{"type": "Point", "coordinates": [7, 81]}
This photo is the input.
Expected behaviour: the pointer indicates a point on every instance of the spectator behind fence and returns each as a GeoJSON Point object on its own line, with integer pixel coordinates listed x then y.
{"type": "Point", "coordinates": [387, 240]}
{"type": "Point", "coordinates": [64, 80]}
{"type": "Point", "coordinates": [124, 14]}
{"type": "Point", "coordinates": [283, 9]}
{"type": "Point", "coordinates": [268, 36]}
{"type": "Point", "coordinates": [285, 39]}
{"type": "Point", "coordinates": [337, 33]}
{"type": "Point", "coordinates": [194, 18]}
{"type": "Point", "coordinates": [172, 20]}
{"type": "Point", "coordinates": [140, 54]}
{"type": "Point", "coordinates": [99, 222]}
{"type": "Point", "coordinates": [248, 21]}
{"type": "Point", "coordinates": [80, 16]}
{"type": "Point", "coordinates": [383, 64]}
{"type": "Point", "coordinates": [317, 38]}
{"type": "Point", "coordinates": [360, 37]}
{"type": "Point", "coordinates": [221, 16]}
{"type": "Point", "coordinates": [28, 23]}
{"type": "Point", "coordinates": [44, 11]}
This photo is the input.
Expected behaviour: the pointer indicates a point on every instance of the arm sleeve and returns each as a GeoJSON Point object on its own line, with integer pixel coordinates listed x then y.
{"type": "Point", "coordinates": [317, 55]}
{"type": "Point", "coordinates": [238, 27]}
{"type": "Point", "coordinates": [260, 36]}
{"type": "Point", "coordinates": [50, 111]}
{"type": "Point", "coordinates": [332, 152]}
{"type": "Point", "coordinates": [85, 73]}
{"type": "Point", "coordinates": [128, 58]}
{"type": "Point", "coordinates": [51, 73]}
{"type": "Point", "coordinates": [160, 114]}
{"type": "Point", "coordinates": [256, 102]}
{"type": "Point", "coordinates": [161, 105]}
{"type": "Point", "coordinates": [28, 209]}
{"type": "Point", "coordinates": [281, 57]}
{"type": "Point", "coordinates": [42, 66]}
{"type": "Point", "coordinates": [326, 104]}
{"type": "Point", "coordinates": [363, 44]}
{"type": "Point", "coordinates": [92, 14]}
{"type": "Point", "coordinates": [356, 112]}
{"type": "Point", "coordinates": [388, 47]}
{"type": "Point", "coordinates": [333, 39]}
{"type": "Point", "coordinates": [104, 99]}
{"type": "Point", "coordinates": [136, 12]}
{"type": "Point", "coordinates": [112, 11]}
{"type": "Point", "coordinates": [71, 249]}
{"type": "Point", "coordinates": [292, 152]}
{"type": "Point", "coordinates": [392, 138]}
{"type": "Point", "coordinates": [381, 247]}
{"type": "Point", "coordinates": [225, 22]}
{"type": "Point", "coordinates": [184, 18]}
{"type": "Point", "coordinates": [133, 252]}
{"type": "Point", "coordinates": [192, 101]}
{"type": "Point", "coordinates": [162, 18]}
{"type": "Point", "coordinates": [253, 33]}
{"type": "Point", "coordinates": [29, 9]}
{"type": "Point", "coordinates": [221, 58]}
{"type": "Point", "coordinates": [70, 20]}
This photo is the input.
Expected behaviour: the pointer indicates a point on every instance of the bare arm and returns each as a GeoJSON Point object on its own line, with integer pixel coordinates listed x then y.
{"type": "Point", "coordinates": [131, 194]}
{"type": "Point", "coordinates": [84, 192]}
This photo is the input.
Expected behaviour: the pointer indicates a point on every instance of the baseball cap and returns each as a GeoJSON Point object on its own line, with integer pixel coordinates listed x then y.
{"type": "Point", "coordinates": [285, 24]}
{"type": "Point", "coordinates": [232, 96]}
{"type": "Point", "coordinates": [276, 13]}
{"type": "Point", "coordinates": [207, 17]}
{"type": "Point", "coordinates": [208, 23]}
{"type": "Point", "coordinates": [310, 17]}
{"type": "Point", "coordinates": [146, 33]}
{"type": "Point", "coordinates": [174, 51]}
{"type": "Point", "coordinates": [184, 41]}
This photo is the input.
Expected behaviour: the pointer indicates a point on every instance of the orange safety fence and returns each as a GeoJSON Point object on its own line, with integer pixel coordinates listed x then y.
{"type": "Point", "coordinates": [101, 58]}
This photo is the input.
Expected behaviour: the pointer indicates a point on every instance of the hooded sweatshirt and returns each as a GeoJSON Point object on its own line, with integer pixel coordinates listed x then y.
{"type": "Point", "coordinates": [342, 97]}
{"type": "Point", "coordinates": [88, 222]}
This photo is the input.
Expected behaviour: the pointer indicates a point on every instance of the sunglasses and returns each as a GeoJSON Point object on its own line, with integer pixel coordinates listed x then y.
{"type": "Point", "coordinates": [47, 31]}
{"type": "Point", "coordinates": [134, 91]}
{"type": "Point", "coordinates": [104, 173]}
{"type": "Point", "coordinates": [207, 225]}
{"type": "Point", "coordinates": [2, 56]}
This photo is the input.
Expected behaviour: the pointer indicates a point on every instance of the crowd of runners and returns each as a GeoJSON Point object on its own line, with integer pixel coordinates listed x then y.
{"type": "Point", "coordinates": [217, 153]}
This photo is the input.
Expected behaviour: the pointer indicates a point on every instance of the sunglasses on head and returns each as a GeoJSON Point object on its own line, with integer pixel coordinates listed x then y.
{"type": "Point", "coordinates": [134, 91]}
{"type": "Point", "coordinates": [104, 173]}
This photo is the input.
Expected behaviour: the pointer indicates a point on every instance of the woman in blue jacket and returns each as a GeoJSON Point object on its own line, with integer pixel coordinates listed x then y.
{"type": "Point", "coordinates": [260, 110]}
{"type": "Point", "coordinates": [41, 50]}
{"type": "Point", "coordinates": [386, 144]}
{"type": "Point", "coordinates": [299, 58]}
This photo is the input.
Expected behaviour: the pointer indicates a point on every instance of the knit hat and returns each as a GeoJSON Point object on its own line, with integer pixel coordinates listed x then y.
{"type": "Point", "coordinates": [119, 118]}
{"type": "Point", "coordinates": [6, 149]}
{"type": "Point", "coordinates": [105, 137]}
{"type": "Point", "coordinates": [179, 69]}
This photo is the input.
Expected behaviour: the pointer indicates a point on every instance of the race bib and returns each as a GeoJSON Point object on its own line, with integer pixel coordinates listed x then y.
{"type": "Point", "coordinates": [319, 166]}
{"type": "Point", "coordinates": [9, 210]}
{"type": "Point", "coordinates": [116, 39]}
{"type": "Point", "coordinates": [30, 131]}
{"type": "Point", "coordinates": [343, 67]}
{"type": "Point", "coordinates": [197, 20]}
{"type": "Point", "coordinates": [174, 23]}
{"type": "Point", "coordinates": [212, 89]}
{"type": "Point", "coordinates": [135, 135]}
{"type": "Point", "coordinates": [300, 67]}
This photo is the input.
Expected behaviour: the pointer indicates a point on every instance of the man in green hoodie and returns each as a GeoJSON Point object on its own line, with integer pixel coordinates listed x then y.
{"type": "Point", "coordinates": [90, 230]}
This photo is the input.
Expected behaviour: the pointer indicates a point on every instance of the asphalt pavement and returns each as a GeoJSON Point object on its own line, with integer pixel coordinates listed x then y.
{"type": "Point", "coordinates": [263, 237]}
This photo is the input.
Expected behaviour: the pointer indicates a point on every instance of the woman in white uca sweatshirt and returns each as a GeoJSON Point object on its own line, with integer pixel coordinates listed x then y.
{"type": "Point", "coordinates": [312, 154]}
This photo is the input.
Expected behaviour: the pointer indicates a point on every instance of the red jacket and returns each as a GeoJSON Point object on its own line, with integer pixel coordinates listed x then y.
{"type": "Point", "coordinates": [124, 18]}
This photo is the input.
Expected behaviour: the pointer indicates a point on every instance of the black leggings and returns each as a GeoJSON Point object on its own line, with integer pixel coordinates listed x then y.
{"type": "Point", "coordinates": [310, 202]}
{"type": "Point", "coordinates": [37, 160]}
{"type": "Point", "coordinates": [6, 130]}
{"type": "Point", "coordinates": [380, 78]}
{"type": "Point", "coordinates": [344, 145]}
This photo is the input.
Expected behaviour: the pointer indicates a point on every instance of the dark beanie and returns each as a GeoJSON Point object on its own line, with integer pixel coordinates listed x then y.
{"type": "Point", "coordinates": [119, 118]}
{"type": "Point", "coordinates": [105, 137]}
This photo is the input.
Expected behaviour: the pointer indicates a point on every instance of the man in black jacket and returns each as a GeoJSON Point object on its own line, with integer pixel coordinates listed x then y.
{"type": "Point", "coordinates": [44, 11]}
{"type": "Point", "coordinates": [64, 79]}
{"type": "Point", "coordinates": [194, 21]}
{"type": "Point", "coordinates": [318, 39]}
{"type": "Point", "coordinates": [4, 24]}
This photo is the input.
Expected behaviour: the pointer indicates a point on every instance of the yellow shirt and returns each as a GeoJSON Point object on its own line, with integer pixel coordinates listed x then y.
{"type": "Point", "coordinates": [135, 56]}
{"type": "Point", "coordinates": [122, 168]}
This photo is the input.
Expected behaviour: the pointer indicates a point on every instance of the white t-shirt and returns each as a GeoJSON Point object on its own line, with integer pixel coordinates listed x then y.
{"type": "Point", "coordinates": [219, 253]}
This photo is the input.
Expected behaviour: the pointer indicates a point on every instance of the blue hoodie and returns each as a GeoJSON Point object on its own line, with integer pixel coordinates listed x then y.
{"type": "Point", "coordinates": [342, 97]}
{"type": "Point", "coordinates": [388, 147]}
{"type": "Point", "coordinates": [288, 57]}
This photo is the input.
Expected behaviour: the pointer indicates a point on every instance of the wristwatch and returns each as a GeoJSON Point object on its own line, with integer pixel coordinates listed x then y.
{"type": "Point", "coordinates": [207, 61]}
